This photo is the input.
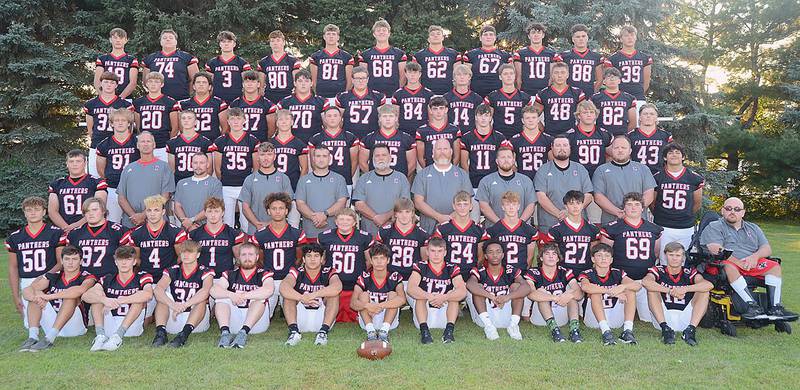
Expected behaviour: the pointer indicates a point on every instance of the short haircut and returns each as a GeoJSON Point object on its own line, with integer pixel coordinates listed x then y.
{"type": "Point", "coordinates": [313, 248]}
{"type": "Point", "coordinates": [506, 66]}
{"type": "Point", "coordinates": [76, 153]}
{"type": "Point", "coordinates": [485, 245]}
{"type": "Point", "coordinates": [577, 28]}
{"type": "Point", "coordinates": [633, 196]}
{"type": "Point", "coordinates": [550, 246]}
{"type": "Point", "coordinates": [360, 69]}
{"type": "Point", "coordinates": [90, 201]}
{"type": "Point", "coordinates": [462, 196]}
{"type": "Point", "coordinates": [276, 34]}
{"type": "Point", "coordinates": [584, 105]}
{"type": "Point", "coordinates": [283, 112]}
{"type": "Point", "coordinates": [248, 245]}
{"type": "Point", "coordinates": [561, 65]}
{"type": "Point", "coordinates": [404, 204]}
{"type": "Point", "coordinates": [389, 108]}
{"type": "Point", "coordinates": [438, 101]}
{"type": "Point", "coordinates": [437, 242]}
{"type": "Point", "coordinates": [434, 27]}
{"type": "Point", "coordinates": [348, 212]}
{"type": "Point", "coordinates": [533, 26]}
{"type": "Point", "coordinates": [188, 112]}
{"type": "Point", "coordinates": [510, 196]}
{"type": "Point", "coordinates": [381, 23]}
{"type": "Point", "coordinates": [155, 201]}
{"type": "Point", "coordinates": [265, 147]}
{"type": "Point", "coordinates": [380, 249]}
{"type": "Point", "coordinates": [34, 201]}
{"type": "Point", "coordinates": [484, 109]}
{"type": "Point", "coordinates": [560, 136]}
{"type": "Point", "coordinates": [650, 106]}
{"type": "Point", "coordinates": [204, 75]}
{"type": "Point", "coordinates": [486, 29]}
{"type": "Point", "coordinates": [462, 69]}
{"type": "Point", "coordinates": [505, 148]}
{"type": "Point", "coordinates": [123, 113]}
{"type": "Point", "coordinates": [250, 75]}
{"type": "Point", "coordinates": [70, 250]}
{"type": "Point", "coordinates": [381, 146]}
{"type": "Point", "coordinates": [125, 252]}
{"type": "Point", "coordinates": [109, 76]}
{"type": "Point", "coordinates": [190, 246]}
{"type": "Point", "coordinates": [671, 147]}
{"type": "Point", "coordinates": [213, 203]}
{"type": "Point", "coordinates": [600, 247]}
{"type": "Point", "coordinates": [302, 73]}
{"type": "Point", "coordinates": [117, 32]}
{"type": "Point", "coordinates": [611, 72]}
{"type": "Point", "coordinates": [330, 27]}
{"type": "Point", "coordinates": [628, 29]}
{"type": "Point", "coordinates": [573, 196]}
{"type": "Point", "coordinates": [282, 197]}
{"type": "Point", "coordinates": [412, 66]}
{"type": "Point", "coordinates": [623, 137]}
{"type": "Point", "coordinates": [235, 112]}
{"type": "Point", "coordinates": [674, 246]}
{"type": "Point", "coordinates": [168, 31]}
{"type": "Point", "coordinates": [529, 110]}
{"type": "Point", "coordinates": [154, 76]}
{"type": "Point", "coordinates": [226, 36]}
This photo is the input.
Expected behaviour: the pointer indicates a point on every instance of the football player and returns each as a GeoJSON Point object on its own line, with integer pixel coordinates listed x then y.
{"type": "Point", "coordinates": [267, 179]}
{"type": "Point", "coordinates": [290, 152]}
{"type": "Point", "coordinates": [155, 112]}
{"type": "Point", "coordinates": [486, 61]}
{"type": "Point", "coordinates": [508, 102]}
{"type": "Point", "coordinates": [434, 129]}
{"type": "Point", "coordinates": [413, 100]}
{"type": "Point", "coordinates": [212, 114]}
{"type": "Point", "coordinates": [118, 62]}
{"type": "Point", "coordinates": [437, 62]}
{"type": "Point", "coordinates": [219, 242]}
{"type": "Point", "coordinates": [494, 185]}
{"type": "Point", "coordinates": [634, 65]}
{"type": "Point", "coordinates": [559, 102]}
{"type": "Point", "coordinates": [97, 110]}
{"type": "Point", "coordinates": [648, 140]}
{"type": "Point", "coordinates": [259, 110]}
{"type": "Point", "coordinates": [278, 69]}
{"type": "Point", "coordinates": [360, 105]}
{"type": "Point", "coordinates": [532, 147]}
{"type": "Point", "coordinates": [517, 236]}
{"type": "Point", "coordinates": [98, 239]}
{"type": "Point", "coordinates": [461, 100]}
{"type": "Point", "coordinates": [588, 142]}
{"type": "Point", "coordinates": [401, 145]}
{"type": "Point", "coordinates": [406, 241]}
{"type": "Point", "coordinates": [306, 108]}
{"type": "Point", "coordinates": [177, 66]}
{"type": "Point", "coordinates": [227, 68]}
{"type": "Point", "coordinates": [533, 62]}
{"type": "Point", "coordinates": [479, 150]}
{"type": "Point", "coordinates": [342, 144]}
{"type": "Point", "coordinates": [617, 108]}
{"type": "Point", "coordinates": [574, 235]}
{"type": "Point", "coordinates": [114, 154]}
{"type": "Point", "coordinates": [68, 193]}
{"type": "Point", "coordinates": [557, 295]}
{"type": "Point", "coordinates": [331, 68]}
{"type": "Point", "coordinates": [585, 65]}
{"type": "Point", "coordinates": [462, 235]}
{"type": "Point", "coordinates": [386, 64]}
{"type": "Point", "coordinates": [378, 295]}
{"type": "Point", "coordinates": [181, 149]}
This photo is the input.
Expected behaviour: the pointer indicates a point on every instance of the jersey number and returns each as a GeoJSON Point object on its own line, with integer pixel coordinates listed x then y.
{"type": "Point", "coordinates": [673, 199]}
{"type": "Point", "coordinates": [35, 260]}
{"type": "Point", "coordinates": [636, 249]}
{"type": "Point", "coordinates": [344, 262]}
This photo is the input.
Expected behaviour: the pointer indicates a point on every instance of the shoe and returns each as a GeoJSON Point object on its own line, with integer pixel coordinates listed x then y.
{"type": "Point", "coordinates": [240, 341]}
{"type": "Point", "coordinates": [178, 341]}
{"type": "Point", "coordinates": [425, 336]}
{"type": "Point", "coordinates": [26, 346]}
{"type": "Point", "coordinates": [322, 338]}
{"type": "Point", "coordinates": [754, 311]}
{"type": "Point", "coordinates": [668, 336]}
{"type": "Point", "coordinates": [294, 338]}
{"type": "Point", "coordinates": [491, 332]}
{"type": "Point", "coordinates": [688, 336]}
{"type": "Point", "coordinates": [383, 336]}
{"type": "Point", "coordinates": [113, 343]}
{"type": "Point", "coordinates": [627, 337]}
{"type": "Point", "coordinates": [99, 341]}
{"type": "Point", "coordinates": [513, 332]}
{"type": "Point", "coordinates": [575, 336]}
{"type": "Point", "coordinates": [779, 313]}
{"type": "Point", "coordinates": [225, 340]}
{"type": "Point", "coordinates": [448, 337]}
{"type": "Point", "coordinates": [41, 345]}
{"type": "Point", "coordinates": [161, 338]}
{"type": "Point", "coordinates": [372, 335]}
{"type": "Point", "coordinates": [557, 337]}
{"type": "Point", "coordinates": [608, 338]}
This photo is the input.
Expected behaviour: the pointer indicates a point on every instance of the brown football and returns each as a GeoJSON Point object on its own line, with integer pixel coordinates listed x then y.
{"type": "Point", "coordinates": [374, 350]}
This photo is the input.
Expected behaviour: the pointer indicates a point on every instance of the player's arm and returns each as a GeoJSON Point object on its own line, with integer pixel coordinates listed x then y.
{"type": "Point", "coordinates": [314, 73]}
{"type": "Point", "coordinates": [424, 208]}
{"type": "Point", "coordinates": [414, 291]}
{"type": "Point", "coordinates": [363, 159]}
{"type": "Point", "coordinates": [74, 292]}
{"type": "Point", "coordinates": [354, 159]}
{"type": "Point", "coordinates": [53, 212]}
{"type": "Point", "coordinates": [531, 248]}
{"type": "Point", "coordinates": [574, 290]}
{"type": "Point", "coordinates": [174, 125]}
{"type": "Point", "coordinates": [476, 289]}
{"type": "Point", "coordinates": [334, 288]}
{"type": "Point", "coordinates": [539, 294]}
{"type": "Point", "coordinates": [630, 284]}
{"type": "Point", "coordinates": [464, 161]}
{"type": "Point", "coordinates": [263, 292]}
{"type": "Point", "coordinates": [270, 125]}
{"type": "Point", "coordinates": [192, 70]}
{"type": "Point", "coordinates": [649, 283]}
{"type": "Point", "coordinates": [141, 296]}
{"type": "Point", "coordinates": [522, 291]}
{"type": "Point", "coordinates": [95, 295]}
{"type": "Point", "coordinates": [137, 118]}
{"type": "Point", "coordinates": [219, 290]}
{"type": "Point", "coordinates": [646, 77]}
{"type": "Point", "coordinates": [303, 164]}
{"type": "Point", "coordinates": [700, 284]}
{"type": "Point", "coordinates": [218, 164]}
{"type": "Point", "coordinates": [36, 288]}
{"type": "Point", "coordinates": [698, 200]}
{"type": "Point", "coordinates": [223, 122]}
{"type": "Point", "coordinates": [287, 290]}
{"type": "Point", "coordinates": [411, 159]}
{"type": "Point", "coordinates": [421, 154]}
{"type": "Point", "coordinates": [459, 290]}
{"type": "Point", "coordinates": [171, 162]}
{"type": "Point", "coordinates": [396, 299]}
{"type": "Point", "coordinates": [456, 151]}
{"type": "Point", "coordinates": [202, 295]}
{"type": "Point", "coordinates": [256, 165]}
{"type": "Point", "coordinates": [13, 280]}
{"type": "Point", "coordinates": [160, 290]}
{"type": "Point", "coordinates": [348, 76]}
{"type": "Point", "coordinates": [632, 118]}
{"type": "Point", "coordinates": [98, 71]}
{"type": "Point", "coordinates": [518, 71]}
{"type": "Point", "coordinates": [401, 66]}
{"type": "Point", "coordinates": [598, 77]}
{"type": "Point", "coordinates": [133, 76]}
{"type": "Point", "coordinates": [355, 304]}
{"type": "Point", "coordinates": [101, 166]}
{"type": "Point", "coordinates": [607, 205]}
{"type": "Point", "coordinates": [262, 83]}
{"type": "Point", "coordinates": [145, 72]}
{"type": "Point", "coordinates": [488, 213]}
{"type": "Point", "coordinates": [590, 288]}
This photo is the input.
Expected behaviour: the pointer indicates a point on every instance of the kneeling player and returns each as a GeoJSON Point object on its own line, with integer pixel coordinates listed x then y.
{"type": "Point", "coordinates": [54, 298]}
{"type": "Point", "coordinates": [310, 297]}
{"type": "Point", "coordinates": [612, 297]}
{"type": "Point", "coordinates": [118, 301]}
{"type": "Point", "coordinates": [241, 299]}
{"type": "Point", "coordinates": [498, 293]}
{"type": "Point", "coordinates": [378, 295]}
{"type": "Point", "coordinates": [678, 296]}
{"type": "Point", "coordinates": [437, 288]}
{"type": "Point", "coordinates": [557, 295]}
{"type": "Point", "coordinates": [182, 295]}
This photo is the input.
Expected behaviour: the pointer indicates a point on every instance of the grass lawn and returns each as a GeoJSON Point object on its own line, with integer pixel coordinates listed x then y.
{"type": "Point", "coordinates": [757, 358]}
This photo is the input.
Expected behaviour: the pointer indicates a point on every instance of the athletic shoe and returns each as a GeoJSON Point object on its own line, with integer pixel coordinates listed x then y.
{"type": "Point", "coordinates": [26, 346]}
{"type": "Point", "coordinates": [41, 345]}
{"type": "Point", "coordinates": [240, 341]}
{"type": "Point", "coordinates": [178, 341]}
{"type": "Point", "coordinates": [294, 338]}
{"type": "Point", "coordinates": [383, 336]}
{"type": "Point", "coordinates": [372, 335]}
{"type": "Point", "coordinates": [491, 332]}
{"type": "Point", "coordinates": [575, 336]}
{"type": "Point", "coordinates": [448, 337]}
{"type": "Point", "coordinates": [557, 337]}
{"type": "Point", "coordinates": [322, 338]}
{"type": "Point", "coordinates": [779, 313]}
{"type": "Point", "coordinates": [608, 338]}
{"type": "Point", "coordinates": [225, 340]}
{"type": "Point", "coordinates": [425, 336]}
{"type": "Point", "coordinates": [513, 332]}
{"type": "Point", "coordinates": [161, 338]}
{"type": "Point", "coordinates": [668, 336]}
{"type": "Point", "coordinates": [689, 336]}
{"type": "Point", "coordinates": [627, 337]}
{"type": "Point", "coordinates": [754, 311]}
{"type": "Point", "coordinates": [99, 341]}
{"type": "Point", "coordinates": [113, 343]}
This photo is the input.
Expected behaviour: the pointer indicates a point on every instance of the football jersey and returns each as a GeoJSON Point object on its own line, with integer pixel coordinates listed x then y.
{"type": "Point", "coordinates": [183, 286]}
{"type": "Point", "coordinates": [462, 243]}
{"type": "Point", "coordinates": [413, 106]}
{"type": "Point", "coordinates": [461, 109]}
{"type": "Point", "coordinates": [207, 112]}
{"type": "Point", "coordinates": [582, 68]}
{"type": "Point", "coordinates": [97, 246]}
{"type": "Point", "coordinates": [531, 154]}
{"type": "Point", "coordinates": [280, 248]}
{"type": "Point", "coordinates": [647, 148]}
{"type": "Point", "coordinates": [574, 243]}
{"type": "Point", "coordinates": [279, 81]}
{"type": "Point", "coordinates": [437, 68]}
{"type": "Point", "coordinates": [482, 150]}
{"type": "Point", "coordinates": [610, 280]}
{"type": "Point", "coordinates": [157, 248]}
{"type": "Point", "coordinates": [175, 68]}
{"type": "Point", "coordinates": [115, 287]}
{"type": "Point", "coordinates": [399, 143]}
{"type": "Point", "coordinates": [515, 239]}
{"type": "Point", "coordinates": [535, 66]}
{"type": "Point", "coordinates": [99, 110]}
{"type": "Point", "coordinates": [428, 134]}
{"type": "Point", "coordinates": [118, 155]}
{"type": "Point", "coordinates": [71, 193]}
{"type": "Point", "coordinates": [237, 157]}
{"type": "Point", "coordinates": [305, 284]}
{"type": "Point", "coordinates": [360, 111]}
{"type": "Point", "coordinates": [507, 117]}
{"type": "Point", "coordinates": [239, 283]}
{"type": "Point", "coordinates": [287, 157]}
{"type": "Point", "coordinates": [632, 68]}
{"type": "Point", "coordinates": [331, 74]}
{"type": "Point", "coordinates": [556, 284]}
{"type": "Point", "coordinates": [227, 76]}
{"type": "Point", "coordinates": [613, 110]}
{"type": "Point", "coordinates": [436, 282]}
{"type": "Point", "coordinates": [685, 277]}
{"type": "Point", "coordinates": [345, 254]}
{"type": "Point", "coordinates": [256, 112]}
{"type": "Point", "coordinates": [154, 115]}
{"type": "Point", "coordinates": [36, 251]}
{"type": "Point", "coordinates": [559, 108]}
{"type": "Point", "coordinates": [379, 290]}
{"type": "Point", "coordinates": [383, 66]}
{"type": "Point", "coordinates": [589, 148]}
{"type": "Point", "coordinates": [406, 247]}
{"type": "Point", "coordinates": [339, 144]}
{"type": "Point", "coordinates": [183, 150]}
{"type": "Point", "coordinates": [57, 282]}
{"type": "Point", "coordinates": [216, 248]}
{"type": "Point", "coordinates": [634, 246]}
{"type": "Point", "coordinates": [674, 204]}
{"type": "Point", "coordinates": [120, 66]}
{"type": "Point", "coordinates": [306, 114]}
{"type": "Point", "coordinates": [485, 64]}
{"type": "Point", "coordinates": [497, 285]}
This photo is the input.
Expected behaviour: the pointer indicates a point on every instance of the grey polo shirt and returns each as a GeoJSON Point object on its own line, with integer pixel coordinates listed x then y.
{"type": "Point", "coordinates": [743, 242]}
{"type": "Point", "coordinates": [492, 187]}
{"type": "Point", "coordinates": [438, 188]}
{"type": "Point", "coordinates": [614, 181]}
{"type": "Point", "coordinates": [320, 193]}
{"type": "Point", "coordinates": [140, 180]}
{"type": "Point", "coordinates": [554, 182]}
{"type": "Point", "coordinates": [380, 192]}
{"type": "Point", "coordinates": [192, 192]}
{"type": "Point", "coordinates": [257, 186]}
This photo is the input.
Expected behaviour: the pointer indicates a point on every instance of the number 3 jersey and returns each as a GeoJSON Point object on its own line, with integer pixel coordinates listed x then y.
{"type": "Point", "coordinates": [115, 287]}
{"type": "Point", "coordinates": [634, 248]}
{"type": "Point", "coordinates": [674, 204]}
{"type": "Point", "coordinates": [183, 285]}
{"type": "Point", "coordinates": [685, 277]}
{"type": "Point", "coordinates": [611, 279]}
{"type": "Point", "coordinates": [379, 290]}
{"type": "Point", "coordinates": [216, 248]}
{"type": "Point", "coordinates": [406, 247]}
{"type": "Point", "coordinates": [345, 254]}
{"type": "Point", "coordinates": [36, 251]}
{"type": "Point", "coordinates": [280, 248]}
{"type": "Point", "coordinates": [238, 282]}
{"type": "Point", "coordinates": [436, 282]}
{"type": "Point", "coordinates": [574, 243]}
{"type": "Point", "coordinates": [156, 248]}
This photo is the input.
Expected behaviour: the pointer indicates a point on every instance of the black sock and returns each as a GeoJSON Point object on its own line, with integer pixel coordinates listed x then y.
{"type": "Point", "coordinates": [450, 326]}
{"type": "Point", "coordinates": [224, 329]}
{"type": "Point", "coordinates": [161, 328]}
{"type": "Point", "coordinates": [246, 329]}
{"type": "Point", "coordinates": [663, 325]}
{"type": "Point", "coordinates": [187, 330]}
{"type": "Point", "coordinates": [294, 328]}
{"type": "Point", "coordinates": [423, 326]}
{"type": "Point", "coordinates": [325, 328]}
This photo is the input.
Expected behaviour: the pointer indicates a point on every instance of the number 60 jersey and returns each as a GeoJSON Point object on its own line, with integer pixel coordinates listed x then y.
{"type": "Point", "coordinates": [345, 254]}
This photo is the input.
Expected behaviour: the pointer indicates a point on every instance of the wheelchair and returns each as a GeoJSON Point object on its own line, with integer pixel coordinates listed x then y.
{"type": "Point", "coordinates": [725, 306]}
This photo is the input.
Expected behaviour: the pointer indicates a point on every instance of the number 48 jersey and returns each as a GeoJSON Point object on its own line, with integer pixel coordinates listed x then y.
{"type": "Point", "coordinates": [559, 108]}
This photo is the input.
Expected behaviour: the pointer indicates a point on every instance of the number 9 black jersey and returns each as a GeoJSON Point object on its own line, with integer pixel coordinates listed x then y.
{"type": "Point", "coordinates": [287, 157]}
{"type": "Point", "coordinates": [406, 247]}
{"type": "Point", "coordinates": [36, 251]}
{"type": "Point", "coordinates": [72, 192]}
{"type": "Point", "coordinates": [674, 202]}
{"type": "Point", "coordinates": [634, 247]}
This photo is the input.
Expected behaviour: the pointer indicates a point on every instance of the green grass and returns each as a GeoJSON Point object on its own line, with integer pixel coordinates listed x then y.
{"type": "Point", "coordinates": [757, 358]}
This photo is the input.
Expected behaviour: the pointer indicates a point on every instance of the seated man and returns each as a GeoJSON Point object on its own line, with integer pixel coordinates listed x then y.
{"type": "Point", "coordinates": [678, 296]}
{"type": "Point", "coordinates": [118, 301]}
{"type": "Point", "coordinates": [498, 293]}
{"type": "Point", "coordinates": [749, 258]}
{"type": "Point", "coordinates": [310, 297]}
{"type": "Point", "coordinates": [182, 295]}
{"type": "Point", "coordinates": [378, 295]}
{"type": "Point", "coordinates": [612, 297]}
{"type": "Point", "coordinates": [557, 295]}
{"type": "Point", "coordinates": [437, 288]}
{"type": "Point", "coordinates": [241, 299]}
{"type": "Point", "coordinates": [54, 298]}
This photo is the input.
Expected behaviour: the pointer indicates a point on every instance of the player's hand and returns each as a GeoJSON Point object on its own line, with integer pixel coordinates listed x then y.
{"type": "Point", "coordinates": [620, 213]}
{"type": "Point", "coordinates": [260, 225]}
{"type": "Point", "coordinates": [502, 300]}
{"type": "Point", "coordinates": [617, 291]}
{"type": "Point", "coordinates": [678, 292]}
{"type": "Point", "coordinates": [374, 308]}
{"type": "Point", "coordinates": [18, 305]}
{"type": "Point", "coordinates": [437, 300]}
{"type": "Point", "coordinates": [111, 303]}
{"type": "Point", "coordinates": [238, 299]}
{"type": "Point", "coordinates": [71, 227]}
{"type": "Point", "coordinates": [380, 219]}
{"type": "Point", "coordinates": [563, 300]}
{"type": "Point", "coordinates": [561, 215]}
{"type": "Point", "coordinates": [750, 262]}
{"type": "Point", "coordinates": [187, 224]}
{"type": "Point", "coordinates": [443, 218]}
{"type": "Point", "coordinates": [138, 219]}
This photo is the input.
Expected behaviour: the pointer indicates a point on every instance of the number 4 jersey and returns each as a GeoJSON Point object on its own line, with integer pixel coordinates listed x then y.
{"type": "Point", "coordinates": [157, 248]}
{"type": "Point", "coordinates": [36, 251]}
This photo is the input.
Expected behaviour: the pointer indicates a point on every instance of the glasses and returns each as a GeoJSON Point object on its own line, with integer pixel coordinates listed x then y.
{"type": "Point", "coordinates": [736, 209]}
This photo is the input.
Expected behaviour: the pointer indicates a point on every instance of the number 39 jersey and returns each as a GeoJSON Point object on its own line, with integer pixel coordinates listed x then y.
{"type": "Point", "coordinates": [345, 254]}
{"type": "Point", "coordinates": [237, 157]}
{"type": "Point", "coordinates": [462, 243]}
{"type": "Point", "coordinates": [574, 243]}
{"type": "Point", "coordinates": [589, 148]}
{"type": "Point", "coordinates": [436, 282]}
{"type": "Point", "coordinates": [97, 246]}
{"type": "Point", "coordinates": [406, 247]}
{"type": "Point", "coordinates": [183, 149]}
{"type": "Point", "coordinates": [183, 286]}
{"type": "Point", "coordinates": [115, 287]}
{"type": "Point", "coordinates": [532, 153]}
{"type": "Point", "coordinates": [157, 248]}
{"type": "Point", "coordinates": [610, 280]}
{"type": "Point", "coordinates": [280, 248]}
{"type": "Point", "coordinates": [71, 193]}
{"type": "Point", "coordinates": [379, 291]}
{"type": "Point", "coordinates": [216, 248]}
{"type": "Point", "coordinates": [634, 246]}
{"type": "Point", "coordinates": [674, 202]}
{"type": "Point", "coordinates": [36, 251]}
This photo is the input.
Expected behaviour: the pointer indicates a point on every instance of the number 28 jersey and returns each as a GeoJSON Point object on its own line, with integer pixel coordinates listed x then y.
{"type": "Point", "coordinates": [406, 247]}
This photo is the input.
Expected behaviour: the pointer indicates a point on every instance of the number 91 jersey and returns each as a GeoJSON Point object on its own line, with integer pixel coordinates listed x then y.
{"type": "Point", "coordinates": [36, 251]}
{"type": "Point", "coordinates": [345, 254]}
{"type": "Point", "coordinates": [280, 248]}
{"type": "Point", "coordinates": [406, 247]}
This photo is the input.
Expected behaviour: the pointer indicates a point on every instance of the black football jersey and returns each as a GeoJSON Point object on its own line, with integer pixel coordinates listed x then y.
{"type": "Point", "coordinates": [157, 248]}
{"type": "Point", "coordinates": [589, 148]}
{"type": "Point", "coordinates": [555, 284]}
{"type": "Point", "coordinates": [611, 279]}
{"type": "Point", "coordinates": [559, 108]}
{"type": "Point", "coordinates": [256, 112]}
{"type": "Point", "coordinates": [507, 117]}
{"type": "Point", "coordinates": [379, 290]}
{"type": "Point", "coordinates": [428, 134]}
{"type": "Point", "coordinates": [499, 284]}
{"type": "Point", "coordinates": [216, 251]}
{"type": "Point", "coordinates": [574, 244]}
{"type": "Point", "coordinates": [279, 81]}
{"type": "Point", "coordinates": [485, 63]}
{"type": "Point", "coordinates": [71, 193]}
{"type": "Point", "coordinates": [97, 245]}
{"type": "Point", "coordinates": [437, 68]}
{"type": "Point", "coordinates": [239, 283]}
{"type": "Point", "coordinates": [115, 287]}
{"type": "Point", "coordinates": [413, 106]}
{"type": "Point", "coordinates": [482, 151]}
{"type": "Point", "coordinates": [305, 284]}
{"type": "Point", "coordinates": [331, 74]}
{"type": "Point", "coordinates": [613, 110]}
{"type": "Point", "coordinates": [118, 155]}
{"type": "Point", "coordinates": [345, 254]}
{"type": "Point", "coordinates": [632, 68]}
{"type": "Point", "coordinates": [36, 251]}
{"type": "Point", "coordinates": [634, 245]}
{"type": "Point", "coordinates": [175, 68]}
{"type": "Point", "coordinates": [339, 144]}
{"type": "Point", "coordinates": [531, 153]}
{"type": "Point", "coordinates": [461, 109]}
{"type": "Point", "coordinates": [58, 282]}
{"type": "Point", "coordinates": [306, 113]}
{"type": "Point", "coordinates": [227, 76]}
{"type": "Point", "coordinates": [183, 285]}
{"type": "Point", "coordinates": [383, 66]}
{"type": "Point", "coordinates": [99, 110]}
{"type": "Point", "coordinates": [647, 149]}
{"type": "Point", "coordinates": [436, 282]}
{"type": "Point", "coordinates": [120, 66]}
{"type": "Point", "coordinates": [280, 248]}
{"type": "Point", "coordinates": [675, 198]}
{"type": "Point", "coordinates": [237, 157]}
{"type": "Point", "coordinates": [406, 247]}
{"type": "Point", "coordinates": [685, 277]}
{"type": "Point", "coordinates": [535, 67]}
{"type": "Point", "coordinates": [287, 157]}
{"type": "Point", "coordinates": [183, 150]}
{"type": "Point", "coordinates": [516, 240]}
{"type": "Point", "coordinates": [582, 68]}
{"type": "Point", "coordinates": [399, 143]}
{"type": "Point", "coordinates": [207, 111]}
{"type": "Point", "coordinates": [154, 115]}
{"type": "Point", "coordinates": [360, 111]}
{"type": "Point", "coordinates": [462, 243]}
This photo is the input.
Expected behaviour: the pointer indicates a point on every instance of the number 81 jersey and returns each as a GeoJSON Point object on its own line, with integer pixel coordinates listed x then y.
{"type": "Point", "coordinates": [280, 248]}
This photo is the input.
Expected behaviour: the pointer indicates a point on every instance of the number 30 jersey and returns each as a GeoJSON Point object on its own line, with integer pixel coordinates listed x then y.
{"type": "Point", "coordinates": [183, 149]}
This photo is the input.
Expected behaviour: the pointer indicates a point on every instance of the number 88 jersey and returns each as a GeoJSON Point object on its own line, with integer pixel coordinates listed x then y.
{"type": "Point", "coordinates": [280, 248]}
{"type": "Point", "coordinates": [406, 247]}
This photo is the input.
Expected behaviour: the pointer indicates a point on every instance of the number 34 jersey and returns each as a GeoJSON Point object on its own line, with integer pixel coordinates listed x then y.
{"type": "Point", "coordinates": [183, 285]}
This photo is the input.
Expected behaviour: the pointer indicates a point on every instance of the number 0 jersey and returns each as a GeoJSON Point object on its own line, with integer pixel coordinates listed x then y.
{"type": "Point", "coordinates": [406, 247]}
{"type": "Point", "coordinates": [280, 248]}
{"type": "Point", "coordinates": [634, 246]}
{"type": "Point", "coordinates": [36, 251]}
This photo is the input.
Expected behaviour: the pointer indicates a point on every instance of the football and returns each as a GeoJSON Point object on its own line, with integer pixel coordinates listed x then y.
{"type": "Point", "coordinates": [374, 350]}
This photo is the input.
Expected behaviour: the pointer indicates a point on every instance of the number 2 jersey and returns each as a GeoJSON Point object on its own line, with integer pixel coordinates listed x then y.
{"type": "Point", "coordinates": [685, 277]}
{"type": "Point", "coordinates": [71, 192]}
{"type": "Point", "coordinates": [156, 248]}
{"type": "Point", "coordinates": [183, 286]}
{"type": "Point", "coordinates": [462, 243]}
{"type": "Point", "coordinates": [574, 243]}
{"type": "Point", "coordinates": [280, 248]}
{"type": "Point", "coordinates": [674, 204]}
{"type": "Point", "coordinates": [516, 240]}
{"type": "Point", "coordinates": [115, 287]}
{"type": "Point", "coordinates": [239, 283]}
{"type": "Point", "coordinates": [379, 290]}
{"type": "Point", "coordinates": [216, 248]}
{"type": "Point", "coordinates": [36, 251]}
{"type": "Point", "coordinates": [436, 282]}
{"type": "Point", "coordinates": [406, 247]}
{"type": "Point", "coordinates": [345, 254]}
{"type": "Point", "coordinates": [634, 246]}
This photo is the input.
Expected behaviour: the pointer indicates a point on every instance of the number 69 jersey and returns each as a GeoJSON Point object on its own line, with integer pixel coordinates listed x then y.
{"type": "Point", "coordinates": [345, 254]}
{"type": "Point", "coordinates": [183, 286]}
{"type": "Point", "coordinates": [36, 251]}
{"type": "Point", "coordinates": [115, 287]}
{"type": "Point", "coordinates": [634, 246]}
{"type": "Point", "coordinates": [574, 244]}
{"type": "Point", "coordinates": [156, 248]}
{"type": "Point", "coordinates": [216, 248]}
{"type": "Point", "coordinates": [612, 279]}
{"type": "Point", "coordinates": [462, 243]}
{"type": "Point", "coordinates": [434, 282]}
{"type": "Point", "coordinates": [674, 202]}
{"type": "Point", "coordinates": [406, 247]}
{"type": "Point", "coordinates": [280, 248]}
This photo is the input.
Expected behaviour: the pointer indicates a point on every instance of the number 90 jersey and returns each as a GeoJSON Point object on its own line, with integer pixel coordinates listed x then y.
{"type": "Point", "coordinates": [345, 254]}
{"type": "Point", "coordinates": [434, 282]}
{"type": "Point", "coordinates": [36, 251]}
{"type": "Point", "coordinates": [115, 287]}
{"type": "Point", "coordinates": [612, 279]}
{"type": "Point", "coordinates": [462, 243]}
{"type": "Point", "coordinates": [589, 149]}
{"type": "Point", "coordinates": [634, 246]}
{"type": "Point", "coordinates": [183, 286]}
{"type": "Point", "coordinates": [406, 247]}
{"type": "Point", "coordinates": [574, 244]}
{"type": "Point", "coordinates": [280, 248]}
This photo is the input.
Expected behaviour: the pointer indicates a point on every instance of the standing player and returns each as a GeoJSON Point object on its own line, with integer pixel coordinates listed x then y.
{"type": "Point", "coordinates": [437, 62]}
{"type": "Point", "coordinates": [360, 105]}
{"type": "Point", "coordinates": [386, 64]}
{"type": "Point", "coordinates": [68, 193]}
{"type": "Point", "coordinates": [648, 140]}
{"type": "Point", "coordinates": [227, 68]}
{"type": "Point", "coordinates": [114, 154]}
{"type": "Point", "coordinates": [258, 109]}
{"type": "Point", "coordinates": [98, 239]}
{"type": "Point", "coordinates": [588, 143]}
{"type": "Point", "coordinates": [97, 113]}
{"type": "Point", "coordinates": [219, 243]}
{"type": "Point", "coordinates": [156, 241]}
{"type": "Point", "coordinates": [177, 66]}
{"type": "Point", "coordinates": [531, 146]}
{"type": "Point", "coordinates": [517, 236]}
{"type": "Point", "coordinates": [495, 185]}
{"type": "Point", "coordinates": [413, 100]}
{"type": "Point", "coordinates": [462, 235]}
{"type": "Point", "coordinates": [321, 194]}
{"type": "Point", "coordinates": [143, 178]}
{"type": "Point", "coordinates": [486, 61]}
{"type": "Point", "coordinates": [533, 62]}
{"type": "Point", "coordinates": [554, 179]}
{"type": "Point", "coordinates": [479, 149]}
{"type": "Point", "coordinates": [508, 102]}
{"type": "Point", "coordinates": [436, 129]}
{"type": "Point", "coordinates": [258, 185]}
{"type": "Point", "coordinates": [401, 145]}
{"type": "Point", "coordinates": [212, 115]}
{"type": "Point", "coordinates": [557, 295]}
{"type": "Point", "coordinates": [290, 152]}
{"type": "Point", "coordinates": [182, 149]}
{"type": "Point", "coordinates": [574, 235]}
{"type": "Point", "coordinates": [617, 108]}
{"type": "Point", "coordinates": [278, 69]}
{"type": "Point", "coordinates": [436, 184]}
{"type": "Point", "coordinates": [331, 68]}
{"type": "Point", "coordinates": [406, 241]}
{"type": "Point", "coordinates": [558, 102]}
{"type": "Point", "coordinates": [155, 112]}
{"type": "Point", "coordinates": [377, 191]}
{"type": "Point", "coordinates": [306, 108]}
{"type": "Point", "coordinates": [342, 144]}
{"type": "Point", "coordinates": [462, 101]}
{"type": "Point", "coordinates": [585, 65]}
{"type": "Point", "coordinates": [634, 65]}
{"type": "Point", "coordinates": [118, 62]}
{"type": "Point", "coordinates": [378, 295]}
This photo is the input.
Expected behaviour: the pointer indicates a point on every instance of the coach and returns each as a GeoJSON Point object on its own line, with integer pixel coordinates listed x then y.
{"type": "Point", "coordinates": [554, 179]}
{"type": "Point", "coordinates": [259, 184]}
{"type": "Point", "coordinates": [143, 178]}
{"type": "Point", "coordinates": [437, 184]}
{"type": "Point", "coordinates": [618, 177]}
{"type": "Point", "coordinates": [492, 187]}
{"type": "Point", "coordinates": [192, 192]}
{"type": "Point", "coordinates": [320, 194]}
{"type": "Point", "coordinates": [377, 190]}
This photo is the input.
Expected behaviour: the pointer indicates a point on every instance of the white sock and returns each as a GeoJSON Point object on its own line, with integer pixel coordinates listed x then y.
{"type": "Point", "coordinates": [33, 332]}
{"type": "Point", "coordinates": [514, 320]}
{"type": "Point", "coordinates": [628, 325]}
{"type": "Point", "coordinates": [385, 327]}
{"type": "Point", "coordinates": [740, 286]}
{"type": "Point", "coordinates": [604, 326]}
{"type": "Point", "coordinates": [485, 318]}
{"type": "Point", "coordinates": [776, 282]}
{"type": "Point", "coordinates": [52, 336]}
{"type": "Point", "coordinates": [370, 327]}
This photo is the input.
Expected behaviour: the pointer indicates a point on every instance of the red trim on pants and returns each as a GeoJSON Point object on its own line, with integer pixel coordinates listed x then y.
{"type": "Point", "coordinates": [761, 268]}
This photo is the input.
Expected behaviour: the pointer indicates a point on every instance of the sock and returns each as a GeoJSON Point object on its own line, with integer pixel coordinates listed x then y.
{"type": "Point", "coordinates": [574, 325]}
{"type": "Point", "coordinates": [33, 332]}
{"type": "Point", "coordinates": [161, 328]}
{"type": "Point", "coordinates": [385, 327]}
{"type": "Point", "coordinates": [485, 319]}
{"type": "Point", "coordinates": [52, 336]}
{"type": "Point", "coordinates": [604, 326]}
{"type": "Point", "coordinates": [293, 328]}
{"type": "Point", "coordinates": [774, 281]}
{"type": "Point", "coordinates": [423, 326]}
{"type": "Point", "coordinates": [246, 329]}
{"type": "Point", "coordinates": [187, 329]}
{"type": "Point", "coordinates": [663, 325]}
{"type": "Point", "coordinates": [99, 331]}
{"type": "Point", "coordinates": [325, 328]}
{"type": "Point", "coordinates": [551, 323]}
{"type": "Point", "coordinates": [740, 286]}
{"type": "Point", "coordinates": [224, 329]}
{"type": "Point", "coordinates": [370, 327]}
{"type": "Point", "coordinates": [450, 326]}
{"type": "Point", "coordinates": [628, 325]}
{"type": "Point", "coordinates": [514, 320]}
{"type": "Point", "coordinates": [121, 331]}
